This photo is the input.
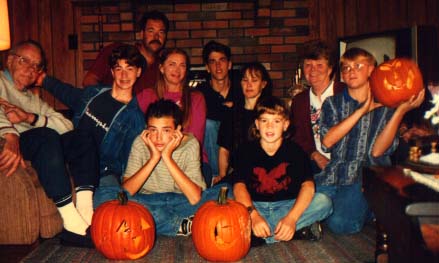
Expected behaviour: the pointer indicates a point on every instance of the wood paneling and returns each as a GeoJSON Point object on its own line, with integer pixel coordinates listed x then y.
{"type": "Point", "coordinates": [48, 22]}
{"type": "Point", "coordinates": [353, 17]}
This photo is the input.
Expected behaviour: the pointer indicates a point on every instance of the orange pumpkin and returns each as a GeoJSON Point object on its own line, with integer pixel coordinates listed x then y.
{"type": "Point", "coordinates": [123, 229]}
{"type": "Point", "coordinates": [221, 230]}
{"type": "Point", "coordinates": [395, 81]}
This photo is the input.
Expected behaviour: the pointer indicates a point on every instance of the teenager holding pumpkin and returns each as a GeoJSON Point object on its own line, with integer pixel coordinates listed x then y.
{"type": "Point", "coordinates": [358, 132]}
{"type": "Point", "coordinates": [274, 179]}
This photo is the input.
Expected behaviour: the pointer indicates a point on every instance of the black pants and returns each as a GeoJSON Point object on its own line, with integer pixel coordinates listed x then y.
{"type": "Point", "coordinates": [49, 153]}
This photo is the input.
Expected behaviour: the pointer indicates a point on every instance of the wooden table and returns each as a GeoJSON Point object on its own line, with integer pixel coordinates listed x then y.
{"type": "Point", "coordinates": [388, 192]}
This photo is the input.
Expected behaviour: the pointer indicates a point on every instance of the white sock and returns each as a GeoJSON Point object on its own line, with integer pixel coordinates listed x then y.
{"type": "Point", "coordinates": [72, 220]}
{"type": "Point", "coordinates": [84, 204]}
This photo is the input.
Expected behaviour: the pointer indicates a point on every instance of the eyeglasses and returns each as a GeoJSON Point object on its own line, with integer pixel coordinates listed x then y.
{"type": "Point", "coordinates": [356, 67]}
{"type": "Point", "coordinates": [23, 61]}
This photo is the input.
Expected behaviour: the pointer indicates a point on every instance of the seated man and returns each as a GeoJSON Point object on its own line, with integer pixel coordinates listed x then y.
{"type": "Point", "coordinates": [32, 131]}
{"type": "Point", "coordinates": [220, 94]}
{"type": "Point", "coordinates": [164, 171]}
{"type": "Point", "coordinates": [109, 117]}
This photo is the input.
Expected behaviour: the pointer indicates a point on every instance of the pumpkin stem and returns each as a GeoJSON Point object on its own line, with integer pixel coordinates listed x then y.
{"type": "Point", "coordinates": [122, 197]}
{"type": "Point", "coordinates": [222, 197]}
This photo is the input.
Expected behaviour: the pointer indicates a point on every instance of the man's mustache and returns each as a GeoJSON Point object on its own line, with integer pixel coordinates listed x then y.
{"type": "Point", "coordinates": [155, 41]}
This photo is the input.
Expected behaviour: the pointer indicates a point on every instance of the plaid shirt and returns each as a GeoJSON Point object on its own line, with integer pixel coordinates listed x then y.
{"type": "Point", "coordinates": [353, 151]}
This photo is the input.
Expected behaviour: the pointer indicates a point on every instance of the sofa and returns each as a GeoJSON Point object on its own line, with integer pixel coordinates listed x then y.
{"type": "Point", "coordinates": [27, 213]}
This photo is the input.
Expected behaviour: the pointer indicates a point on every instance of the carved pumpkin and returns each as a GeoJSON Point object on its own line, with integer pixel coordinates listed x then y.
{"type": "Point", "coordinates": [123, 229]}
{"type": "Point", "coordinates": [395, 81]}
{"type": "Point", "coordinates": [221, 230]}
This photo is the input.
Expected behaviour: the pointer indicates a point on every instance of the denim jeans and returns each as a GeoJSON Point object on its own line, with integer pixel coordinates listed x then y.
{"type": "Point", "coordinates": [350, 208]}
{"type": "Point", "coordinates": [168, 209]}
{"type": "Point", "coordinates": [210, 145]}
{"type": "Point", "coordinates": [273, 212]}
{"type": "Point", "coordinates": [49, 152]}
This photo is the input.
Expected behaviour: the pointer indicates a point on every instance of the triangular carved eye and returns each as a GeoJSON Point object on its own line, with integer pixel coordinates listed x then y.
{"type": "Point", "coordinates": [123, 227]}
{"type": "Point", "coordinates": [144, 225]}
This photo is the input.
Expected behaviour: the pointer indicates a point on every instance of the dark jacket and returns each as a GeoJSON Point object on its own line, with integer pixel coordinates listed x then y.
{"type": "Point", "coordinates": [128, 122]}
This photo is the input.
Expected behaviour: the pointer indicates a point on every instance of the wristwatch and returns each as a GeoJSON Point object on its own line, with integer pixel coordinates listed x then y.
{"type": "Point", "coordinates": [250, 209]}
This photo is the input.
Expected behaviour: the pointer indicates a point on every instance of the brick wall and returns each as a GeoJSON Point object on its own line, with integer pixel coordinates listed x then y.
{"type": "Point", "coordinates": [269, 31]}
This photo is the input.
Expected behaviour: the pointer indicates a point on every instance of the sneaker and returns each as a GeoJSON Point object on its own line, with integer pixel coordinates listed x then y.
{"type": "Point", "coordinates": [313, 232]}
{"type": "Point", "coordinates": [186, 227]}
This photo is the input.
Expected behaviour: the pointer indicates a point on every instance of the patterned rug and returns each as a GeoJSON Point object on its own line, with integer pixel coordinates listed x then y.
{"type": "Point", "coordinates": [332, 248]}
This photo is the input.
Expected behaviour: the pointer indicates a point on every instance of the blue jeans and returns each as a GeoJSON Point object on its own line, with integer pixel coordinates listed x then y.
{"type": "Point", "coordinates": [350, 208]}
{"type": "Point", "coordinates": [210, 145]}
{"type": "Point", "coordinates": [273, 212]}
{"type": "Point", "coordinates": [168, 209]}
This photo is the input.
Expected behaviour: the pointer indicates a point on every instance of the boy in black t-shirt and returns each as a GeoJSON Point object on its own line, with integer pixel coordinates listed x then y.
{"type": "Point", "coordinates": [274, 179]}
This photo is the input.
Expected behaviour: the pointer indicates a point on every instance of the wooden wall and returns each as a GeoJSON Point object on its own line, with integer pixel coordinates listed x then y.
{"type": "Point", "coordinates": [338, 18]}
{"type": "Point", "coordinates": [51, 21]}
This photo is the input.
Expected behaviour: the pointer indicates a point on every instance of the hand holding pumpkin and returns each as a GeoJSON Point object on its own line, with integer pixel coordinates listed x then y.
{"type": "Point", "coordinates": [412, 103]}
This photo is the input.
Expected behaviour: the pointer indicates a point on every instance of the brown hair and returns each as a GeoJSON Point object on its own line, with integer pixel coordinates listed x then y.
{"type": "Point", "coordinates": [160, 86]}
{"type": "Point", "coordinates": [270, 105]}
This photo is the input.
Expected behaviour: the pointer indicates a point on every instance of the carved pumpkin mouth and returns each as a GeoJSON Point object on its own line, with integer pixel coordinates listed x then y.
{"type": "Point", "coordinates": [222, 235]}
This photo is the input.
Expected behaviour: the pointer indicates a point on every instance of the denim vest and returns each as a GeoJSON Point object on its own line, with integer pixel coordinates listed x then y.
{"type": "Point", "coordinates": [126, 125]}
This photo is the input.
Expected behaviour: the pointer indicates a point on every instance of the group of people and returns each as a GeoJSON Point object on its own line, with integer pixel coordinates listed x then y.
{"type": "Point", "coordinates": [137, 126]}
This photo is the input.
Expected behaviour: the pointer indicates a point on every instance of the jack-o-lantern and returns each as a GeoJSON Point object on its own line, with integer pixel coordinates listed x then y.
{"type": "Point", "coordinates": [395, 81]}
{"type": "Point", "coordinates": [122, 229]}
{"type": "Point", "coordinates": [221, 230]}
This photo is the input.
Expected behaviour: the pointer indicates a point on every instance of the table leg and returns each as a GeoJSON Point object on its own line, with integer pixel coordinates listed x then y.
{"type": "Point", "coordinates": [381, 247]}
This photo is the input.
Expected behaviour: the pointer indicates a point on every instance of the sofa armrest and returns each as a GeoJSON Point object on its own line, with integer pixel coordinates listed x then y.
{"type": "Point", "coordinates": [19, 208]}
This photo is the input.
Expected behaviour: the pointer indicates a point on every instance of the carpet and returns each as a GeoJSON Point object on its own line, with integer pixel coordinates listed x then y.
{"type": "Point", "coordinates": [332, 248]}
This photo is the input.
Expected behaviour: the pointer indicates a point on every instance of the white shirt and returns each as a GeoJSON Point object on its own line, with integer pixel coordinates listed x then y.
{"type": "Point", "coordinates": [316, 106]}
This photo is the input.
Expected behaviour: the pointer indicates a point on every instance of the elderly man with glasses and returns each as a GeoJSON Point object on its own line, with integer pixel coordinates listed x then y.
{"type": "Point", "coordinates": [32, 130]}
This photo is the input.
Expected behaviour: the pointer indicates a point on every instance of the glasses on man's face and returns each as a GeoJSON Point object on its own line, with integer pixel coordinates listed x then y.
{"type": "Point", "coordinates": [355, 67]}
{"type": "Point", "coordinates": [26, 62]}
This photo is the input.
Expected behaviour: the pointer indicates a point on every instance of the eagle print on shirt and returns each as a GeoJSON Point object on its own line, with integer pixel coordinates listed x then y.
{"type": "Point", "coordinates": [272, 182]}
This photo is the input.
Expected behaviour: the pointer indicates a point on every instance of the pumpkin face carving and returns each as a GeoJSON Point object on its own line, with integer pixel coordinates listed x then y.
{"type": "Point", "coordinates": [221, 230]}
{"type": "Point", "coordinates": [395, 81]}
{"type": "Point", "coordinates": [123, 229]}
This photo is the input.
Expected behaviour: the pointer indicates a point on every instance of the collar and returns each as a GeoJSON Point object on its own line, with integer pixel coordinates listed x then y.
{"type": "Point", "coordinates": [347, 96]}
{"type": "Point", "coordinates": [8, 75]}
{"type": "Point", "coordinates": [329, 91]}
